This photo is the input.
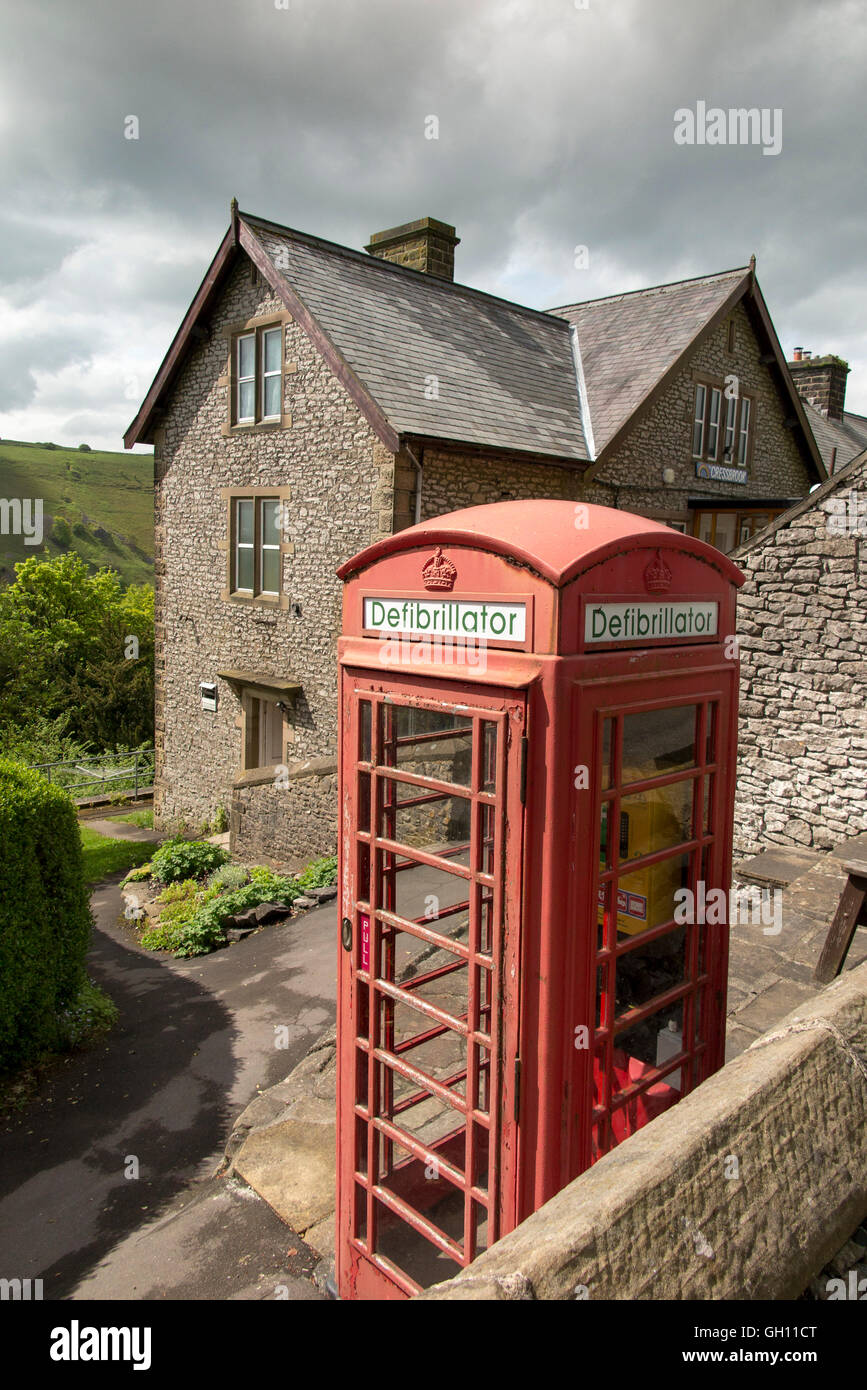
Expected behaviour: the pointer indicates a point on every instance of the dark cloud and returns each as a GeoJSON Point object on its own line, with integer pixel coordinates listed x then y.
{"type": "Point", "coordinates": [555, 129]}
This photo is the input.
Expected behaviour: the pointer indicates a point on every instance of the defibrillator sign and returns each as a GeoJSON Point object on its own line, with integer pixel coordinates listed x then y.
{"type": "Point", "coordinates": [644, 622]}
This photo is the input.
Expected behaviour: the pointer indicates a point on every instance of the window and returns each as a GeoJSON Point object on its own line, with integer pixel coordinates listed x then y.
{"type": "Point", "coordinates": [714, 422]}
{"type": "Point", "coordinates": [256, 546]}
{"type": "Point", "coordinates": [264, 734]}
{"type": "Point", "coordinates": [258, 368]}
{"type": "Point", "coordinates": [728, 528]}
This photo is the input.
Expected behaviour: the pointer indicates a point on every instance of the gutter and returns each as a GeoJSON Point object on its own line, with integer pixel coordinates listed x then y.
{"type": "Point", "coordinates": [419, 474]}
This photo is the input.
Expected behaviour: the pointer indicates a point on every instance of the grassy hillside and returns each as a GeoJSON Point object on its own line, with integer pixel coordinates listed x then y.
{"type": "Point", "coordinates": [107, 499]}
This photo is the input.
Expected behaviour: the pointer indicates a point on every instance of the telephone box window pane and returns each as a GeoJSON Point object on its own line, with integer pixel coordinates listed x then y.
{"type": "Point", "coordinates": [428, 820]}
{"type": "Point", "coordinates": [645, 899]}
{"type": "Point", "coordinates": [364, 801]}
{"type": "Point", "coordinates": [430, 743]}
{"type": "Point", "coordinates": [428, 895]}
{"type": "Point", "coordinates": [489, 757]}
{"type": "Point", "coordinates": [708, 804]}
{"type": "Point", "coordinates": [656, 819]}
{"type": "Point", "coordinates": [359, 1213]}
{"type": "Point", "coordinates": [486, 921]}
{"type": "Point", "coordinates": [710, 746]}
{"type": "Point", "coordinates": [658, 741]}
{"type": "Point", "coordinates": [364, 741]}
{"type": "Point", "coordinates": [646, 1045]}
{"type": "Point", "coordinates": [407, 1248]}
{"type": "Point", "coordinates": [607, 744]}
{"type": "Point", "coordinates": [650, 970]}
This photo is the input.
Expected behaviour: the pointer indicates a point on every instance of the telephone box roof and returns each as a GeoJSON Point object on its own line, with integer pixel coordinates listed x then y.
{"type": "Point", "coordinates": [558, 539]}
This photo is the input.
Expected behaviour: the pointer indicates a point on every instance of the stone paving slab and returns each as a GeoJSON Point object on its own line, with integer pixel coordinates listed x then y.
{"type": "Point", "coordinates": [770, 975]}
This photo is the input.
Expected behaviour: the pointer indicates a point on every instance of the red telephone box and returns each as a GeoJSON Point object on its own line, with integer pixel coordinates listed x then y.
{"type": "Point", "coordinates": [538, 710]}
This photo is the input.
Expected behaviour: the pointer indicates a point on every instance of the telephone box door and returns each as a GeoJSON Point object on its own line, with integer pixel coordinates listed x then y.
{"type": "Point", "coordinates": [657, 811]}
{"type": "Point", "coordinates": [431, 842]}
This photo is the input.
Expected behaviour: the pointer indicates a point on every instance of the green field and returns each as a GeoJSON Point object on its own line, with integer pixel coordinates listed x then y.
{"type": "Point", "coordinates": [107, 498]}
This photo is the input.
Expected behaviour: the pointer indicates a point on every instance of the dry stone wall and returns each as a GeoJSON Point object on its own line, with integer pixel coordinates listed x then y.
{"type": "Point", "coordinates": [802, 776]}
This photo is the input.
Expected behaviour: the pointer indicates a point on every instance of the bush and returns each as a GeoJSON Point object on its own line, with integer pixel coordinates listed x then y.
{"type": "Point", "coordinates": [229, 876]}
{"type": "Point", "coordinates": [319, 872]}
{"type": "Point", "coordinates": [84, 448]}
{"type": "Point", "coordinates": [221, 820]}
{"type": "Point", "coordinates": [45, 921]}
{"type": "Point", "coordinates": [205, 930]}
{"type": "Point", "coordinates": [178, 859]}
{"type": "Point", "coordinates": [61, 531]}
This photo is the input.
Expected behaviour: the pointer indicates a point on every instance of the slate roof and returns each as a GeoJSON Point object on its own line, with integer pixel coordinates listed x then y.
{"type": "Point", "coordinates": [505, 374]}
{"type": "Point", "coordinates": [629, 341]}
{"type": "Point", "coordinates": [847, 436]}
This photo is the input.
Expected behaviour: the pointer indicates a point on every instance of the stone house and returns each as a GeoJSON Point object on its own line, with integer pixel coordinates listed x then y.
{"type": "Point", "coordinates": [841, 434]}
{"type": "Point", "coordinates": [316, 398]}
{"type": "Point", "coordinates": [802, 771]}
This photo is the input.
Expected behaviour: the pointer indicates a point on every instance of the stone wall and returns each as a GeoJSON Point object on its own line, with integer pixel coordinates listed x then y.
{"type": "Point", "coordinates": [341, 498]}
{"type": "Point", "coordinates": [802, 776]}
{"type": "Point", "coordinates": [743, 1190]}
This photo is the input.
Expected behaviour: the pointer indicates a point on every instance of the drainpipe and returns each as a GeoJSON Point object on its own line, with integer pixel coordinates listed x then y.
{"type": "Point", "coordinates": [418, 468]}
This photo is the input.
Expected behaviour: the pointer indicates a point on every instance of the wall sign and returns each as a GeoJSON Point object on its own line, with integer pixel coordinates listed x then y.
{"type": "Point", "coordinates": [644, 622]}
{"type": "Point", "coordinates": [720, 473]}
{"type": "Point", "coordinates": [447, 618]}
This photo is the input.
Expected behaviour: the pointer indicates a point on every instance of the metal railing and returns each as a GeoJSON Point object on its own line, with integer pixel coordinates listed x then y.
{"type": "Point", "coordinates": [115, 774]}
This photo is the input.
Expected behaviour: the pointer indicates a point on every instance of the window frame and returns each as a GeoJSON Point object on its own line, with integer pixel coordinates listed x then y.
{"type": "Point", "coordinates": [258, 497]}
{"type": "Point", "coordinates": [257, 329]}
{"type": "Point", "coordinates": [730, 414]}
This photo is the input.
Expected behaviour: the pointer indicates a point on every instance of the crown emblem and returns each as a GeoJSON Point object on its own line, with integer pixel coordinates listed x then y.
{"type": "Point", "coordinates": [657, 576]}
{"type": "Point", "coordinates": [438, 573]}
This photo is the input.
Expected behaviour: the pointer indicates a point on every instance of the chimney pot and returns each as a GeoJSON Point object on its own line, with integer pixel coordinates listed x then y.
{"type": "Point", "coordinates": [426, 245]}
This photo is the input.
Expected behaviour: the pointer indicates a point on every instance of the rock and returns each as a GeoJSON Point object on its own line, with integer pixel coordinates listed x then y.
{"type": "Point", "coordinates": [269, 912]}
{"type": "Point", "coordinates": [305, 902]}
{"type": "Point", "coordinates": [238, 933]}
{"type": "Point", "coordinates": [324, 894]}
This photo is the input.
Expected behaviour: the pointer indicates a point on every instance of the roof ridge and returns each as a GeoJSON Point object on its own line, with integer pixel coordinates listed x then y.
{"type": "Point", "coordinates": [364, 258]}
{"type": "Point", "coordinates": [651, 289]}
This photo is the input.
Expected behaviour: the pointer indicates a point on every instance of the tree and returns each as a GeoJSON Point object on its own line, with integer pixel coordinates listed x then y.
{"type": "Point", "coordinates": [64, 650]}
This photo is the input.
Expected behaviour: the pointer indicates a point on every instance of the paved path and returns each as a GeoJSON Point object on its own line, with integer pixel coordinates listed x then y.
{"type": "Point", "coordinates": [194, 1043]}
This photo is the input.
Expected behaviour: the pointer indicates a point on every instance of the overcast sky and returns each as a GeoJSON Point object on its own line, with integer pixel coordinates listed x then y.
{"type": "Point", "coordinates": [556, 124]}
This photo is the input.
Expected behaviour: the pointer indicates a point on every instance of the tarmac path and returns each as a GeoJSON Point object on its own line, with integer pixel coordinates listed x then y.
{"type": "Point", "coordinates": [195, 1041]}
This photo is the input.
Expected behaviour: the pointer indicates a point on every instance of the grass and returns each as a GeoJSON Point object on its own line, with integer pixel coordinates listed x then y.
{"type": "Point", "coordinates": [106, 497]}
{"type": "Point", "coordinates": [143, 819]}
{"type": "Point", "coordinates": [104, 856]}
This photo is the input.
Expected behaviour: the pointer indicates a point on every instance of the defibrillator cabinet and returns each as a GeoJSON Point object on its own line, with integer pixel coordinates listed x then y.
{"type": "Point", "coordinates": [538, 705]}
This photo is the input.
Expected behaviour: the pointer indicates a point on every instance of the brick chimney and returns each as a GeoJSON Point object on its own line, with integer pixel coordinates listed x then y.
{"type": "Point", "coordinates": [821, 381]}
{"type": "Point", "coordinates": [425, 245]}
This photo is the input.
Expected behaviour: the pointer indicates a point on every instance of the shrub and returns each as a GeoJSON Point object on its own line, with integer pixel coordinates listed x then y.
{"type": "Point", "coordinates": [205, 930]}
{"type": "Point", "coordinates": [221, 820]}
{"type": "Point", "coordinates": [178, 859]}
{"type": "Point", "coordinates": [61, 531]}
{"type": "Point", "coordinates": [84, 448]}
{"type": "Point", "coordinates": [228, 876]}
{"type": "Point", "coordinates": [319, 872]}
{"type": "Point", "coordinates": [45, 920]}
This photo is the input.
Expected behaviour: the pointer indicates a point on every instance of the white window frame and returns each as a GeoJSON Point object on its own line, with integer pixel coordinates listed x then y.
{"type": "Point", "coordinates": [698, 420]}
{"type": "Point", "coordinates": [243, 545]}
{"type": "Point", "coordinates": [266, 545]}
{"type": "Point", "coordinates": [744, 422]}
{"type": "Point", "coordinates": [277, 371]}
{"type": "Point", "coordinates": [713, 423]}
{"type": "Point", "coordinates": [242, 380]}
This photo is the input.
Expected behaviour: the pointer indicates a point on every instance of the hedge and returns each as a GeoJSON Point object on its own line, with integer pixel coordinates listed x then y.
{"type": "Point", "coordinates": [45, 920]}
